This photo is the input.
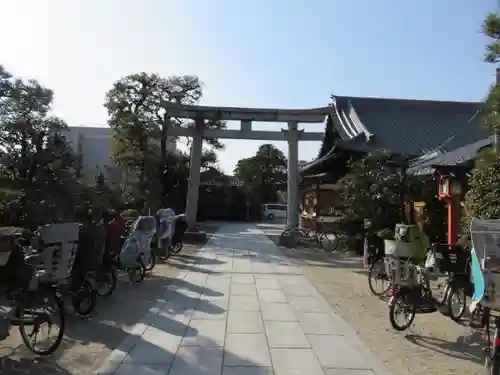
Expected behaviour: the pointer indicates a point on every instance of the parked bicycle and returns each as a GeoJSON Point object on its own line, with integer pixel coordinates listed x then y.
{"type": "Point", "coordinates": [454, 263]}
{"type": "Point", "coordinates": [410, 291]}
{"type": "Point", "coordinates": [32, 293]}
{"type": "Point", "coordinates": [327, 240]}
{"type": "Point", "coordinates": [485, 269]}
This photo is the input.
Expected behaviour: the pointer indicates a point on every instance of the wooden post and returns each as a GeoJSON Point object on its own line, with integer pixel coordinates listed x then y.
{"type": "Point", "coordinates": [453, 218]}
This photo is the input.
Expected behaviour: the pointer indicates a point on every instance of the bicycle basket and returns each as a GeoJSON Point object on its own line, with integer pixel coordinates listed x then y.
{"type": "Point", "coordinates": [452, 258]}
{"type": "Point", "coordinates": [403, 271]}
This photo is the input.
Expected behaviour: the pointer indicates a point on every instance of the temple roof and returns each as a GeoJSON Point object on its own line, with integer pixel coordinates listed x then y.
{"type": "Point", "coordinates": [426, 164]}
{"type": "Point", "coordinates": [409, 127]}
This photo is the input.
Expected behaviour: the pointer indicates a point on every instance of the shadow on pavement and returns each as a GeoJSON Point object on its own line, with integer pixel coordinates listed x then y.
{"type": "Point", "coordinates": [26, 366]}
{"type": "Point", "coordinates": [194, 259]}
{"type": "Point", "coordinates": [86, 340]}
{"type": "Point", "coordinates": [463, 349]}
{"type": "Point", "coordinates": [183, 284]}
{"type": "Point", "coordinates": [187, 267]}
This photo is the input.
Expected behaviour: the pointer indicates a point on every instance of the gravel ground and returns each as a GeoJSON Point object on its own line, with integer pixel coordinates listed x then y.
{"type": "Point", "coordinates": [433, 345]}
{"type": "Point", "coordinates": [88, 342]}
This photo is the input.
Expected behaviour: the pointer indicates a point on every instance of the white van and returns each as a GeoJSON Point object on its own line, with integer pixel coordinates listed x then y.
{"type": "Point", "coordinates": [273, 211]}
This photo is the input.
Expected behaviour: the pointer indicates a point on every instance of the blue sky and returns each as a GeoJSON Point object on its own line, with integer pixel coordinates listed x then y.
{"type": "Point", "coordinates": [256, 53]}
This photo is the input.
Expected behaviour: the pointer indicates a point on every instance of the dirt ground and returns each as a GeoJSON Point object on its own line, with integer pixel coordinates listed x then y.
{"type": "Point", "coordinates": [434, 345]}
{"type": "Point", "coordinates": [89, 342]}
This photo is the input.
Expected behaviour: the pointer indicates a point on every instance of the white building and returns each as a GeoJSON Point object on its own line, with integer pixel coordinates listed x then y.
{"type": "Point", "coordinates": [94, 144]}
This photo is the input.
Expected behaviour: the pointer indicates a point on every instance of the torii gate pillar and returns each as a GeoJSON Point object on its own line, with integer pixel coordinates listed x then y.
{"type": "Point", "coordinates": [293, 176]}
{"type": "Point", "coordinates": [194, 174]}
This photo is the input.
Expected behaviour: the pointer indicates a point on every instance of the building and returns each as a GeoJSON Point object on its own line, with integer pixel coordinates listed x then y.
{"type": "Point", "coordinates": [356, 126]}
{"type": "Point", "coordinates": [94, 144]}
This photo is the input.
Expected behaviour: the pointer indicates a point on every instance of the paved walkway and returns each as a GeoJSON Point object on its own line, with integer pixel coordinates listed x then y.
{"type": "Point", "coordinates": [241, 308]}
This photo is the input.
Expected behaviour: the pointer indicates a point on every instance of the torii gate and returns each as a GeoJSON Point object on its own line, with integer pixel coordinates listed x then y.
{"type": "Point", "coordinates": [246, 115]}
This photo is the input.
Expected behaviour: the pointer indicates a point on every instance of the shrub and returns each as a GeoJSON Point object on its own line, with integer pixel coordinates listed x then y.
{"type": "Point", "coordinates": [481, 200]}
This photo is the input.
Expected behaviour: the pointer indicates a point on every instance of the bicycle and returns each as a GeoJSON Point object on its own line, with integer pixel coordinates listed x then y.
{"type": "Point", "coordinates": [485, 269]}
{"type": "Point", "coordinates": [27, 293]}
{"type": "Point", "coordinates": [481, 319]}
{"type": "Point", "coordinates": [492, 360]}
{"type": "Point", "coordinates": [327, 240]}
{"type": "Point", "coordinates": [410, 292]}
{"type": "Point", "coordinates": [454, 262]}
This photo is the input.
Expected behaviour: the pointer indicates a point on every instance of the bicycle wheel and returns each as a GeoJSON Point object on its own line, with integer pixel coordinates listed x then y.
{"type": "Point", "coordinates": [492, 360]}
{"type": "Point", "coordinates": [378, 281]}
{"type": "Point", "coordinates": [176, 248]}
{"type": "Point", "coordinates": [285, 237]}
{"type": "Point", "coordinates": [136, 274]}
{"type": "Point", "coordinates": [456, 303]}
{"type": "Point", "coordinates": [444, 308]}
{"type": "Point", "coordinates": [328, 241]}
{"type": "Point", "coordinates": [50, 299]}
{"type": "Point", "coordinates": [84, 300]}
{"type": "Point", "coordinates": [107, 283]}
{"type": "Point", "coordinates": [403, 303]}
{"type": "Point", "coordinates": [295, 236]}
{"type": "Point", "coordinates": [151, 261]}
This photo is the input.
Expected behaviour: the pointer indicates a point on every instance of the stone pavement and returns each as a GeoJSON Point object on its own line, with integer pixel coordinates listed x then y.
{"type": "Point", "coordinates": [241, 308]}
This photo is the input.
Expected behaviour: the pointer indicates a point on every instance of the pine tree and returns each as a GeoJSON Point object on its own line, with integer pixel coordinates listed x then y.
{"type": "Point", "coordinates": [482, 199]}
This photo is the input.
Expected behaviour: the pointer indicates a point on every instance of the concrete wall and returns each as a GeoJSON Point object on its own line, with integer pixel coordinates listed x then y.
{"type": "Point", "coordinates": [94, 143]}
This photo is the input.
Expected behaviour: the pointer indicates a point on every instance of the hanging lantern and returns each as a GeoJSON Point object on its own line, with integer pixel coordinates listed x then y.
{"type": "Point", "coordinates": [444, 186]}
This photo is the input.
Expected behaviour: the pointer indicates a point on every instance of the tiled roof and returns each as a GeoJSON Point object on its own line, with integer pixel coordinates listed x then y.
{"type": "Point", "coordinates": [425, 164]}
{"type": "Point", "coordinates": [410, 127]}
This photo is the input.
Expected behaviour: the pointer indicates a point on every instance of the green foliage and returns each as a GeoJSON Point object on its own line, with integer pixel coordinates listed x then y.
{"type": "Point", "coordinates": [37, 162]}
{"type": "Point", "coordinates": [481, 200]}
{"type": "Point", "coordinates": [491, 111]}
{"type": "Point", "coordinates": [373, 188]}
{"type": "Point", "coordinates": [138, 108]}
{"type": "Point", "coordinates": [491, 28]}
{"type": "Point", "coordinates": [38, 169]}
{"type": "Point", "coordinates": [176, 176]}
{"type": "Point", "coordinates": [264, 173]}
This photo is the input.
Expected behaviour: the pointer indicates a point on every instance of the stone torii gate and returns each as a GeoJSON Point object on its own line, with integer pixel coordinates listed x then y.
{"type": "Point", "coordinates": [246, 115]}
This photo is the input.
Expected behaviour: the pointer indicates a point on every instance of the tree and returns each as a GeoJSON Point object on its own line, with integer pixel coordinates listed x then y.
{"type": "Point", "coordinates": [491, 112]}
{"type": "Point", "coordinates": [177, 176]}
{"type": "Point", "coordinates": [37, 161]}
{"type": "Point", "coordinates": [376, 188]}
{"type": "Point", "coordinates": [481, 200]}
{"type": "Point", "coordinates": [264, 173]}
{"type": "Point", "coordinates": [138, 108]}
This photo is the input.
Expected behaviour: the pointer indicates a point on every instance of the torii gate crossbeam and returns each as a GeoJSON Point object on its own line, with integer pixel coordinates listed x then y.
{"type": "Point", "coordinates": [246, 115]}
